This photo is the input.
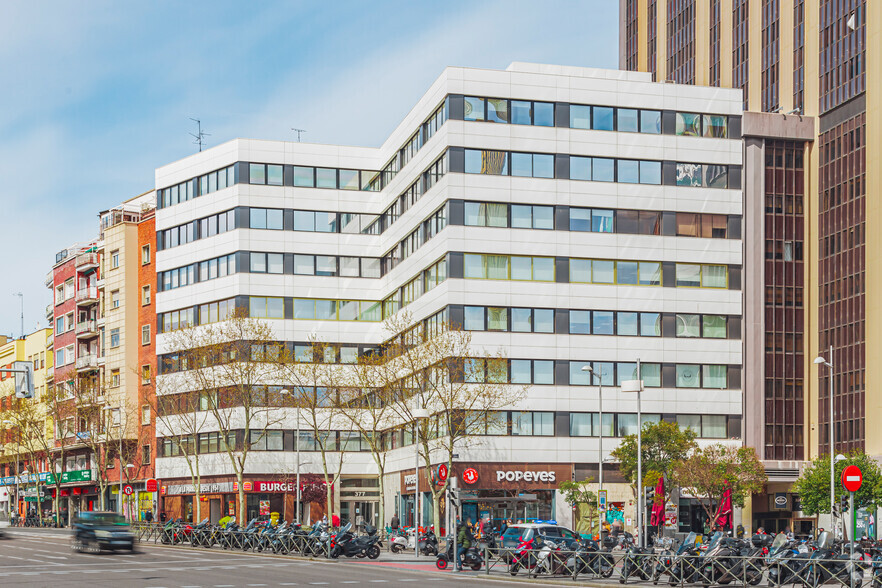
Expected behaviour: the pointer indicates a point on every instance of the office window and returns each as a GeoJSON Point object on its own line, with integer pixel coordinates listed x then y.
{"type": "Point", "coordinates": [114, 337]}
{"type": "Point", "coordinates": [473, 108]}
{"type": "Point", "coordinates": [580, 424]}
{"type": "Point", "coordinates": [145, 334]}
{"type": "Point", "coordinates": [580, 322]}
{"type": "Point", "coordinates": [714, 276]}
{"type": "Point", "coordinates": [486, 162]}
{"type": "Point", "coordinates": [688, 376]}
{"type": "Point", "coordinates": [603, 118]}
{"type": "Point", "coordinates": [114, 259]}
{"type": "Point", "coordinates": [580, 116]}
{"type": "Point", "coordinates": [650, 324]}
{"type": "Point", "coordinates": [473, 317]}
{"type": "Point", "coordinates": [603, 321]}
{"type": "Point", "coordinates": [145, 295]}
{"type": "Point", "coordinates": [688, 124]}
{"type": "Point", "coordinates": [629, 171]}
{"type": "Point", "coordinates": [486, 214]}
{"type": "Point", "coordinates": [274, 175]}
{"type": "Point", "coordinates": [256, 173]}
{"type": "Point", "coordinates": [628, 120]}
{"type": "Point", "coordinates": [304, 176]}
{"type": "Point", "coordinates": [714, 376]}
{"type": "Point", "coordinates": [691, 422]}
{"type": "Point", "coordinates": [714, 326]}
{"type": "Point", "coordinates": [715, 126]}
{"type": "Point", "coordinates": [543, 114]}
{"type": "Point", "coordinates": [325, 178]}
{"type": "Point", "coordinates": [688, 325]}
{"type": "Point", "coordinates": [688, 275]}
{"type": "Point", "coordinates": [627, 323]}
{"type": "Point", "coordinates": [497, 319]}
{"type": "Point", "coordinates": [689, 174]}
{"type": "Point", "coordinates": [650, 121]}
{"type": "Point", "coordinates": [266, 307]}
{"type": "Point", "coordinates": [145, 254]}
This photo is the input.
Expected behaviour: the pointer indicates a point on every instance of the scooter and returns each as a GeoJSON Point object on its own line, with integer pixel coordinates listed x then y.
{"type": "Point", "coordinates": [589, 558]}
{"type": "Point", "coordinates": [637, 561]}
{"type": "Point", "coordinates": [549, 560]}
{"type": "Point", "coordinates": [397, 543]}
{"type": "Point", "coordinates": [471, 558]}
{"type": "Point", "coordinates": [429, 543]}
{"type": "Point", "coordinates": [523, 558]}
{"type": "Point", "coordinates": [346, 543]}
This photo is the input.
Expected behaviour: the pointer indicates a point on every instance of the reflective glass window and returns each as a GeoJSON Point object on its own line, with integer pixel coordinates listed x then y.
{"type": "Point", "coordinates": [626, 272]}
{"type": "Point", "coordinates": [521, 268]}
{"type": "Point", "coordinates": [580, 116]}
{"type": "Point", "coordinates": [522, 164]}
{"type": "Point", "coordinates": [626, 323]}
{"type": "Point", "coordinates": [688, 325]}
{"type": "Point", "coordinates": [580, 219]}
{"type": "Point", "coordinates": [473, 318]}
{"type": "Point", "coordinates": [650, 324]}
{"type": "Point", "coordinates": [577, 376]}
{"type": "Point", "coordinates": [473, 108]}
{"type": "Point", "coordinates": [520, 371]}
{"type": "Point", "coordinates": [349, 179]}
{"type": "Point", "coordinates": [522, 320]}
{"type": "Point", "coordinates": [714, 126]}
{"type": "Point", "coordinates": [521, 216]}
{"type": "Point", "coordinates": [543, 320]}
{"type": "Point", "coordinates": [580, 270]}
{"type": "Point", "coordinates": [688, 124]}
{"type": "Point", "coordinates": [688, 376]}
{"type": "Point", "coordinates": [304, 220]}
{"type": "Point", "coordinates": [256, 175]}
{"type": "Point", "coordinates": [497, 318]}
{"type": "Point", "coordinates": [688, 275]}
{"type": "Point", "coordinates": [714, 376]}
{"type": "Point", "coordinates": [543, 217]}
{"type": "Point", "coordinates": [520, 112]}
{"type": "Point", "coordinates": [650, 172]}
{"type": "Point", "coordinates": [603, 170]}
{"type": "Point", "coordinates": [714, 276]}
{"type": "Point", "coordinates": [603, 118]}
{"type": "Point", "coordinates": [543, 372]}
{"type": "Point", "coordinates": [628, 120]}
{"type": "Point", "coordinates": [497, 110]}
{"type": "Point", "coordinates": [325, 178]}
{"type": "Point", "coordinates": [580, 168]}
{"type": "Point", "coordinates": [543, 269]}
{"type": "Point", "coordinates": [580, 322]}
{"type": "Point", "coordinates": [275, 263]}
{"type": "Point", "coordinates": [650, 273]}
{"type": "Point", "coordinates": [650, 121]}
{"type": "Point", "coordinates": [603, 272]}
{"type": "Point", "coordinates": [543, 165]}
{"type": "Point", "coordinates": [258, 218]}
{"type": "Point", "coordinates": [304, 176]}
{"type": "Point", "coordinates": [304, 265]}
{"type": "Point", "coordinates": [629, 171]}
{"type": "Point", "coordinates": [543, 114]}
{"type": "Point", "coordinates": [603, 322]}
{"type": "Point", "coordinates": [714, 326]}
{"type": "Point", "coordinates": [602, 221]}
{"type": "Point", "coordinates": [274, 175]}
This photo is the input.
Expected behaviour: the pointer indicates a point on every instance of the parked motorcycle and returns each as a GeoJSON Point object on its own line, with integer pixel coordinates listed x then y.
{"type": "Point", "coordinates": [637, 561]}
{"type": "Point", "coordinates": [523, 557]}
{"type": "Point", "coordinates": [549, 559]}
{"type": "Point", "coordinates": [428, 544]}
{"type": "Point", "coordinates": [346, 543]}
{"type": "Point", "coordinates": [472, 558]}
{"type": "Point", "coordinates": [397, 542]}
{"type": "Point", "coordinates": [590, 559]}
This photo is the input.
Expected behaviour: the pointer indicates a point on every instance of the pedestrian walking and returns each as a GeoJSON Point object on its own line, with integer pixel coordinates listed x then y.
{"type": "Point", "coordinates": [148, 516]}
{"type": "Point", "coordinates": [394, 524]}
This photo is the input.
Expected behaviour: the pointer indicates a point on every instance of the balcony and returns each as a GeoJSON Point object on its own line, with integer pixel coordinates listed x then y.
{"type": "Point", "coordinates": [50, 280]}
{"type": "Point", "coordinates": [87, 363]}
{"type": "Point", "coordinates": [87, 261]}
{"type": "Point", "coordinates": [87, 296]}
{"type": "Point", "coordinates": [87, 329]}
{"type": "Point", "coordinates": [50, 312]}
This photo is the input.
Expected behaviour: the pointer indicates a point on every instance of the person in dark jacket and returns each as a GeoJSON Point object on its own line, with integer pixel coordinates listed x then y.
{"type": "Point", "coordinates": [464, 540]}
{"type": "Point", "coordinates": [394, 524]}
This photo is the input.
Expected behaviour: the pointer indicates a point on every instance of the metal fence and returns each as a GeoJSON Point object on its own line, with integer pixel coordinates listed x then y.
{"type": "Point", "coordinates": [681, 570]}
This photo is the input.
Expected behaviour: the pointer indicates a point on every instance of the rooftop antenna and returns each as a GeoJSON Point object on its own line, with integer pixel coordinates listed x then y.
{"type": "Point", "coordinates": [200, 135]}
{"type": "Point", "coordinates": [299, 132]}
{"type": "Point", "coordinates": [21, 298]}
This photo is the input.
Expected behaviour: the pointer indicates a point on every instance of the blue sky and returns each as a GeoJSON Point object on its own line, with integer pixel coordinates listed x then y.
{"type": "Point", "coordinates": [98, 94]}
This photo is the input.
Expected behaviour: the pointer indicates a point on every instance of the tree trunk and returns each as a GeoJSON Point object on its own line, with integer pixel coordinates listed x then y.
{"type": "Point", "coordinates": [242, 505]}
{"type": "Point", "coordinates": [436, 513]}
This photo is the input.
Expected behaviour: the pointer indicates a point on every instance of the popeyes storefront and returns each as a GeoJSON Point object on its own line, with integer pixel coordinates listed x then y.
{"type": "Point", "coordinates": [520, 492]}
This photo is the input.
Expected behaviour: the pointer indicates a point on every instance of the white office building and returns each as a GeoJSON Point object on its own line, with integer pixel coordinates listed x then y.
{"type": "Point", "coordinates": [569, 216]}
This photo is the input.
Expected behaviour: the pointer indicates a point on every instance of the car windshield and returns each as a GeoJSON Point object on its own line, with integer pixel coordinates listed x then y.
{"type": "Point", "coordinates": [513, 532]}
{"type": "Point", "coordinates": [779, 542]}
{"type": "Point", "coordinates": [103, 518]}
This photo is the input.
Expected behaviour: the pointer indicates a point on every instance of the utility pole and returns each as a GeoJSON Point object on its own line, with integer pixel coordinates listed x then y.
{"type": "Point", "coordinates": [21, 298]}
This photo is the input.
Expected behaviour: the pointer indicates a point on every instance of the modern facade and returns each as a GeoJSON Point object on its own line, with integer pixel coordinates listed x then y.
{"type": "Point", "coordinates": [799, 58]}
{"type": "Point", "coordinates": [568, 216]}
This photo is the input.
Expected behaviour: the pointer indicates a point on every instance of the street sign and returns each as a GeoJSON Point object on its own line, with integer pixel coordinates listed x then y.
{"type": "Point", "coordinates": [601, 500]}
{"type": "Point", "coordinates": [441, 473]}
{"type": "Point", "coordinates": [128, 490]}
{"type": "Point", "coordinates": [150, 485]}
{"type": "Point", "coordinates": [852, 478]}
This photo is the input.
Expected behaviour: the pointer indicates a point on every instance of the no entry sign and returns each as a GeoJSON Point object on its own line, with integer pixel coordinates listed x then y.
{"type": "Point", "coordinates": [852, 478]}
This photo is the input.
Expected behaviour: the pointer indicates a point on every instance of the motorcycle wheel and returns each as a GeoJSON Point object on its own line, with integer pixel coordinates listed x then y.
{"type": "Point", "coordinates": [513, 568]}
{"type": "Point", "coordinates": [476, 566]}
{"type": "Point", "coordinates": [441, 563]}
{"type": "Point", "coordinates": [394, 548]}
{"type": "Point", "coordinates": [373, 552]}
{"type": "Point", "coordinates": [335, 553]}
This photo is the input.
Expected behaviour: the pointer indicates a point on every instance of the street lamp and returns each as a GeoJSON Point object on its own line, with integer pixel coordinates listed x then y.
{"type": "Point", "coordinates": [297, 453]}
{"type": "Point", "coordinates": [818, 361]}
{"type": "Point", "coordinates": [418, 414]}
{"type": "Point", "coordinates": [637, 386]}
{"type": "Point", "coordinates": [599, 376]}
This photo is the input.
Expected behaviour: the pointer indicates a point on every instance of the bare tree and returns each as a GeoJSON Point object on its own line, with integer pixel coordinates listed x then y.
{"type": "Point", "coordinates": [180, 421]}
{"type": "Point", "coordinates": [225, 364]}
{"type": "Point", "coordinates": [367, 407]}
{"type": "Point", "coordinates": [438, 373]}
{"type": "Point", "coordinates": [314, 394]}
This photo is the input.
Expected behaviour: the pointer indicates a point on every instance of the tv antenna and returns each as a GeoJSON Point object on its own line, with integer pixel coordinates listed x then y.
{"type": "Point", "coordinates": [199, 135]}
{"type": "Point", "coordinates": [299, 132]}
{"type": "Point", "coordinates": [21, 297]}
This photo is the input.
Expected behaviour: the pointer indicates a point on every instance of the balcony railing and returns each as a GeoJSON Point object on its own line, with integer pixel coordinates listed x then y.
{"type": "Point", "coordinates": [50, 279]}
{"type": "Point", "coordinates": [86, 261]}
{"type": "Point", "coordinates": [87, 295]}
{"type": "Point", "coordinates": [87, 362]}
{"type": "Point", "coordinates": [87, 329]}
{"type": "Point", "coordinates": [50, 312]}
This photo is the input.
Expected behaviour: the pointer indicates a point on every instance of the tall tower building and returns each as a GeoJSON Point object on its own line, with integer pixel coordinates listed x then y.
{"type": "Point", "coordinates": [799, 59]}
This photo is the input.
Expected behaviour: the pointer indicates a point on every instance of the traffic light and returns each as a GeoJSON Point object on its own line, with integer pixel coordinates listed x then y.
{"type": "Point", "coordinates": [649, 497]}
{"type": "Point", "coordinates": [843, 504]}
{"type": "Point", "coordinates": [24, 379]}
{"type": "Point", "coordinates": [453, 497]}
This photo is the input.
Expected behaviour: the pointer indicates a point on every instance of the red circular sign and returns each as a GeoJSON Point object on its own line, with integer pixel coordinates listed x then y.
{"type": "Point", "coordinates": [442, 473]}
{"type": "Point", "coordinates": [852, 478]}
{"type": "Point", "coordinates": [128, 490]}
{"type": "Point", "coordinates": [470, 476]}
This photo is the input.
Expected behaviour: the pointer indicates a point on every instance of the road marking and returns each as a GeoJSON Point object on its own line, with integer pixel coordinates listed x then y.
{"type": "Point", "coordinates": [379, 581]}
{"type": "Point", "coordinates": [55, 556]}
{"type": "Point", "coordinates": [287, 583]}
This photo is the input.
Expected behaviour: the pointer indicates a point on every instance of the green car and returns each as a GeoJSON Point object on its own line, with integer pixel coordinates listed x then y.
{"type": "Point", "coordinates": [94, 531]}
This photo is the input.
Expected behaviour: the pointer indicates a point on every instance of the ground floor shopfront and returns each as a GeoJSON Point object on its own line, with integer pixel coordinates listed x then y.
{"type": "Point", "coordinates": [354, 498]}
{"type": "Point", "coordinates": [488, 491]}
